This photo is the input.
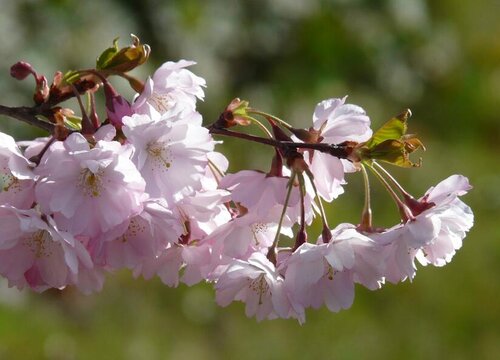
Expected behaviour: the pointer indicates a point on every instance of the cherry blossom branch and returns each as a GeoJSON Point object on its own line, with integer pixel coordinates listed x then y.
{"type": "Point", "coordinates": [338, 150]}
{"type": "Point", "coordinates": [27, 115]}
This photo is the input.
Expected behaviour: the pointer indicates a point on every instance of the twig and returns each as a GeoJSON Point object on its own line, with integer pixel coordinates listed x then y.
{"type": "Point", "coordinates": [27, 115]}
{"type": "Point", "coordinates": [338, 150]}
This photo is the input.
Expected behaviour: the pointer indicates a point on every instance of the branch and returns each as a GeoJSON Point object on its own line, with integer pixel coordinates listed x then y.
{"type": "Point", "coordinates": [27, 115]}
{"type": "Point", "coordinates": [340, 151]}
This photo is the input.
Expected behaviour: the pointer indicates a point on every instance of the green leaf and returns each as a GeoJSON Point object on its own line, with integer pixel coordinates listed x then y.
{"type": "Point", "coordinates": [393, 152]}
{"type": "Point", "coordinates": [107, 55]}
{"type": "Point", "coordinates": [391, 143]}
{"type": "Point", "coordinates": [395, 128]}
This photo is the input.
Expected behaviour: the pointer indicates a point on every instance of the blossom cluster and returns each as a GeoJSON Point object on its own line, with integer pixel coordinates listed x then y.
{"type": "Point", "coordinates": [146, 190]}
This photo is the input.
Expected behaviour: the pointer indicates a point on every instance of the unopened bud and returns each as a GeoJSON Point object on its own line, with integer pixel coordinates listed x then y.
{"type": "Point", "coordinates": [116, 106]}
{"type": "Point", "coordinates": [21, 70]}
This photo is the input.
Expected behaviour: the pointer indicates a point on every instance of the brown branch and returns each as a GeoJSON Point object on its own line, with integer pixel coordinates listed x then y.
{"type": "Point", "coordinates": [340, 151]}
{"type": "Point", "coordinates": [27, 115]}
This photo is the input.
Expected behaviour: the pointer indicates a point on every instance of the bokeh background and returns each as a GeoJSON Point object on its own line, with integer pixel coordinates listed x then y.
{"type": "Point", "coordinates": [439, 58]}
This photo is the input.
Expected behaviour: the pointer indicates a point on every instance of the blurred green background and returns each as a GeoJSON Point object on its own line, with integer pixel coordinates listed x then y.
{"type": "Point", "coordinates": [439, 58]}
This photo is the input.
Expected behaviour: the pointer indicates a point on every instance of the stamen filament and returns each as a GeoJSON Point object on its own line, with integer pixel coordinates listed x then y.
{"type": "Point", "coordinates": [218, 173]}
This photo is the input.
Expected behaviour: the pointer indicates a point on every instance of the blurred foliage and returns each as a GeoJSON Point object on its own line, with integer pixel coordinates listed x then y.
{"type": "Point", "coordinates": [439, 58]}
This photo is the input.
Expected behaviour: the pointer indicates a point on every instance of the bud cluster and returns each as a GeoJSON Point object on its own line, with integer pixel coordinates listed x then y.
{"type": "Point", "coordinates": [145, 190]}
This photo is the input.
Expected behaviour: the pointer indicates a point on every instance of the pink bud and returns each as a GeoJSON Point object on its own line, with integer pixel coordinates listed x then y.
{"type": "Point", "coordinates": [21, 70]}
{"type": "Point", "coordinates": [118, 109]}
{"type": "Point", "coordinates": [116, 105]}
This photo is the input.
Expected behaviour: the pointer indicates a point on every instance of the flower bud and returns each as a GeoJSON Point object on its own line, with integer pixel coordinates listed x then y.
{"type": "Point", "coordinates": [21, 70]}
{"type": "Point", "coordinates": [116, 106]}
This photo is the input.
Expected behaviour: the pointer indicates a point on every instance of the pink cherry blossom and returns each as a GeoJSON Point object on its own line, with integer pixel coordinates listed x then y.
{"type": "Point", "coordinates": [17, 179]}
{"type": "Point", "coordinates": [311, 280]}
{"type": "Point", "coordinates": [198, 215]}
{"type": "Point", "coordinates": [247, 234]}
{"type": "Point", "coordinates": [204, 212]}
{"type": "Point", "coordinates": [171, 157]}
{"type": "Point", "coordinates": [326, 273]}
{"type": "Point", "coordinates": [454, 216]}
{"type": "Point", "coordinates": [435, 233]}
{"type": "Point", "coordinates": [34, 253]}
{"type": "Point", "coordinates": [172, 91]}
{"type": "Point", "coordinates": [259, 192]}
{"type": "Point", "coordinates": [339, 122]}
{"type": "Point", "coordinates": [33, 147]}
{"type": "Point", "coordinates": [336, 122]}
{"type": "Point", "coordinates": [256, 283]}
{"type": "Point", "coordinates": [99, 188]}
{"type": "Point", "coordinates": [193, 259]}
{"type": "Point", "coordinates": [214, 172]}
{"type": "Point", "coordinates": [140, 238]}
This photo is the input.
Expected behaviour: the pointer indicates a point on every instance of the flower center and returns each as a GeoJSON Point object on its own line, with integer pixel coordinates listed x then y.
{"type": "Point", "coordinates": [260, 286]}
{"type": "Point", "coordinates": [134, 228]}
{"type": "Point", "coordinates": [329, 272]}
{"type": "Point", "coordinates": [161, 102]}
{"type": "Point", "coordinates": [256, 229]}
{"type": "Point", "coordinates": [91, 183]}
{"type": "Point", "coordinates": [160, 156]}
{"type": "Point", "coordinates": [39, 243]}
{"type": "Point", "coordinates": [9, 182]}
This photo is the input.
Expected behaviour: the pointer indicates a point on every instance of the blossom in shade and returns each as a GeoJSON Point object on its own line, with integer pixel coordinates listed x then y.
{"type": "Point", "coordinates": [325, 273]}
{"type": "Point", "coordinates": [140, 238]}
{"type": "Point", "coordinates": [171, 157]}
{"type": "Point", "coordinates": [336, 123]}
{"type": "Point", "coordinates": [99, 188]}
{"type": "Point", "coordinates": [35, 253]}
{"type": "Point", "coordinates": [262, 194]}
{"type": "Point", "coordinates": [247, 234]}
{"type": "Point", "coordinates": [193, 259]}
{"type": "Point", "coordinates": [203, 212]}
{"type": "Point", "coordinates": [259, 192]}
{"type": "Point", "coordinates": [197, 215]}
{"type": "Point", "coordinates": [17, 179]}
{"type": "Point", "coordinates": [255, 282]}
{"type": "Point", "coordinates": [171, 92]}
